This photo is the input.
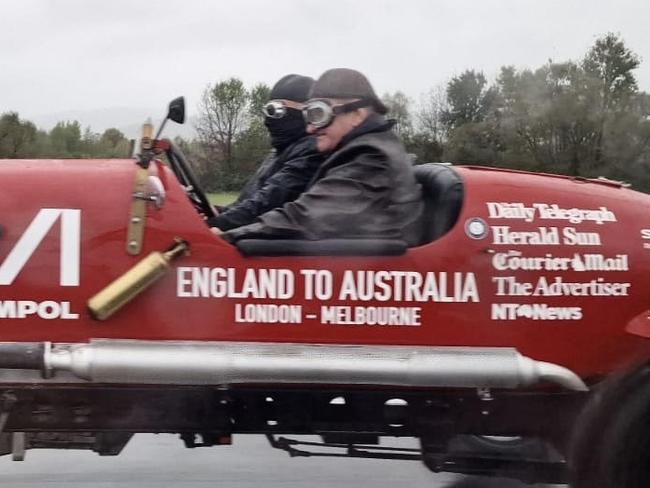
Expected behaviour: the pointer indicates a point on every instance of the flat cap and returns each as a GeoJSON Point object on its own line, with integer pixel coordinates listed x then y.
{"type": "Point", "coordinates": [346, 83]}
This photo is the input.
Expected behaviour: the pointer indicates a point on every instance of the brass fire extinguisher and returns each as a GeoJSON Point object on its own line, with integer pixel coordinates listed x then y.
{"type": "Point", "coordinates": [134, 281]}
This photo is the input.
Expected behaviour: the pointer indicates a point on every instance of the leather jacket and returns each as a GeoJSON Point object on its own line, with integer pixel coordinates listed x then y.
{"type": "Point", "coordinates": [281, 178]}
{"type": "Point", "coordinates": [365, 189]}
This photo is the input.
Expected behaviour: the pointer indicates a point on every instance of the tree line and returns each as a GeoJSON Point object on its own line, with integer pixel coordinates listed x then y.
{"type": "Point", "coordinates": [583, 118]}
{"type": "Point", "coordinates": [21, 139]}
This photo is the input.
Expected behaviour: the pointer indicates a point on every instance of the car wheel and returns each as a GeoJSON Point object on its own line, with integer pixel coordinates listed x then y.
{"type": "Point", "coordinates": [609, 433]}
{"type": "Point", "coordinates": [514, 447]}
{"type": "Point", "coordinates": [625, 451]}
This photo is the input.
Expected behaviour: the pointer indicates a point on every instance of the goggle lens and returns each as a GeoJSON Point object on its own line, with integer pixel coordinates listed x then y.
{"type": "Point", "coordinates": [274, 110]}
{"type": "Point", "coordinates": [318, 113]}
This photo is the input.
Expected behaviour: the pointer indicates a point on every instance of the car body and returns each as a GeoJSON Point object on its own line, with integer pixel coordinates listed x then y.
{"type": "Point", "coordinates": [536, 291]}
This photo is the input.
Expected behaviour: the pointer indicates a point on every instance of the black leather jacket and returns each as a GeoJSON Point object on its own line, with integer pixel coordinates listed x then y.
{"type": "Point", "coordinates": [281, 178]}
{"type": "Point", "coordinates": [365, 189]}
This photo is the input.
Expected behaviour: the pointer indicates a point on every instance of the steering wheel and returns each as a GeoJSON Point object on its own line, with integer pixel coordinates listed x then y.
{"type": "Point", "coordinates": [188, 180]}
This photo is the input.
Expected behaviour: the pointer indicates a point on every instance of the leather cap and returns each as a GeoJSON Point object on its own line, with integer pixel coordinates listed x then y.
{"type": "Point", "coordinates": [292, 87]}
{"type": "Point", "coordinates": [346, 83]}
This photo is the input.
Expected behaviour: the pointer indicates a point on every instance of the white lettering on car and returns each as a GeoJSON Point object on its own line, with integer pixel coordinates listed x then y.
{"type": "Point", "coordinates": [534, 311]}
{"type": "Point", "coordinates": [48, 309]}
{"type": "Point", "coordinates": [359, 285]}
{"type": "Point", "coordinates": [544, 211]}
{"type": "Point", "coordinates": [70, 243]}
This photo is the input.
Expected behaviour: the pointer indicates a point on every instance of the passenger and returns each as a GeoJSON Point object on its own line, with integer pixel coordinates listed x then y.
{"type": "Point", "coordinates": [366, 187]}
{"type": "Point", "coordinates": [285, 173]}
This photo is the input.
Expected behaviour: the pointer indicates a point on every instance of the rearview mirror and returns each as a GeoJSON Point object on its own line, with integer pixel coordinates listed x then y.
{"type": "Point", "coordinates": [176, 111]}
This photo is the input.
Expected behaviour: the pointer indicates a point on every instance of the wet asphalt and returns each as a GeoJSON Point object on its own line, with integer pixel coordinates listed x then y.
{"type": "Point", "coordinates": [161, 461]}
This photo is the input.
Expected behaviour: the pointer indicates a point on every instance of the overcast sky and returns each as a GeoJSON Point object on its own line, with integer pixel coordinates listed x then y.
{"type": "Point", "coordinates": [60, 56]}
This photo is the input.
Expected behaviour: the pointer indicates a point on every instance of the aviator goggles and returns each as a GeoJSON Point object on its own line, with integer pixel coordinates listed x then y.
{"type": "Point", "coordinates": [320, 112]}
{"type": "Point", "coordinates": [276, 109]}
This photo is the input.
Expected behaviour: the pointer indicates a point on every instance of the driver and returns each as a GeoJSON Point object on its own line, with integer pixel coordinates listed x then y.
{"type": "Point", "coordinates": [285, 173]}
{"type": "Point", "coordinates": [366, 186]}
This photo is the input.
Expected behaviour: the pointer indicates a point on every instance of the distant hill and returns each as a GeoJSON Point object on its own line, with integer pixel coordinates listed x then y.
{"type": "Point", "coordinates": [129, 120]}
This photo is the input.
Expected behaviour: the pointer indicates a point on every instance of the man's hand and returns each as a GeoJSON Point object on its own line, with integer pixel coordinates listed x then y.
{"type": "Point", "coordinates": [216, 231]}
{"type": "Point", "coordinates": [214, 209]}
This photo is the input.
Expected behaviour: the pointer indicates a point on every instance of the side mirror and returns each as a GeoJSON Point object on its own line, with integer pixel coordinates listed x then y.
{"type": "Point", "coordinates": [176, 111]}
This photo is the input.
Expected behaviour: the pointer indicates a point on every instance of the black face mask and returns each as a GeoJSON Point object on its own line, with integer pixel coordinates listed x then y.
{"type": "Point", "coordinates": [287, 129]}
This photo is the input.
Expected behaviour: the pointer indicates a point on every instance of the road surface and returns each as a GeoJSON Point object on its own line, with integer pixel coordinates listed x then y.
{"type": "Point", "coordinates": [161, 461]}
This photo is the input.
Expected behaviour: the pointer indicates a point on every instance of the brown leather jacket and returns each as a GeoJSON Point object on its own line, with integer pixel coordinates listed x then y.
{"type": "Point", "coordinates": [365, 189]}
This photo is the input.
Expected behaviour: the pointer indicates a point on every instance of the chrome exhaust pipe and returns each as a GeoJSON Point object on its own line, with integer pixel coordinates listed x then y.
{"type": "Point", "coordinates": [22, 355]}
{"type": "Point", "coordinates": [230, 363]}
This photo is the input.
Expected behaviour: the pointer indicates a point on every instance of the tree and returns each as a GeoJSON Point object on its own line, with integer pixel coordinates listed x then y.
{"type": "Point", "coordinates": [430, 114]}
{"type": "Point", "coordinates": [89, 144]}
{"type": "Point", "coordinates": [16, 136]}
{"type": "Point", "coordinates": [251, 147]}
{"type": "Point", "coordinates": [113, 144]}
{"type": "Point", "coordinates": [224, 115]}
{"type": "Point", "coordinates": [469, 99]}
{"type": "Point", "coordinates": [423, 147]}
{"type": "Point", "coordinates": [626, 143]}
{"type": "Point", "coordinates": [112, 137]}
{"type": "Point", "coordinates": [569, 117]}
{"type": "Point", "coordinates": [470, 120]}
{"type": "Point", "coordinates": [610, 65]}
{"type": "Point", "coordinates": [253, 144]}
{"type": "Point", "coordinates": [428, 133]}
{"type": "Point", "coordinates": [398, 106]}
{"type": "Point", "coordinates": [543, 117]}
{"type": "Point", "coordinates": [232, 136]}
{"type": "Point", "coordinates": [258, 95]}
{"type": "Point", "coordinates": [65, 139]}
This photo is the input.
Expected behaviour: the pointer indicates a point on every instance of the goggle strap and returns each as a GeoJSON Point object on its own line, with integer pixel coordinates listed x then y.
{"type": "Point", "coordinates": [351, 107]}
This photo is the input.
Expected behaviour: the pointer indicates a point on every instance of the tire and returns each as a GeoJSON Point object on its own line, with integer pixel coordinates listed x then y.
{"type": "Point", "coordinates": [5, 444]}
{"type": "Point", "coordinates": [610, 433]}
{"type": "Point", "coordinates": [509, 447]}
{"type": "Point", "coordinates": [625, 451]}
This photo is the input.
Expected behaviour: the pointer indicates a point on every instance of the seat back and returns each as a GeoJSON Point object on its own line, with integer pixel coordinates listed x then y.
{"type": "Point", "coordinates": [442, 191]}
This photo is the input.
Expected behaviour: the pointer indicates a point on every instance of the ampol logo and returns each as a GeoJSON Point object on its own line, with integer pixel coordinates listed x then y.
{"type": "Point", "coordinates": [70, 243]}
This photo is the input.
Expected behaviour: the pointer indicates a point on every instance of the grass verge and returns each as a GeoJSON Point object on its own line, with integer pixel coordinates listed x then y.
{"type": "Point", "coordinates": [222, 198]}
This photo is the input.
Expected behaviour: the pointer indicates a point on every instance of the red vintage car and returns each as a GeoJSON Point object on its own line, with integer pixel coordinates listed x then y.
{"type": "Point", "coordinates": [512, 341]}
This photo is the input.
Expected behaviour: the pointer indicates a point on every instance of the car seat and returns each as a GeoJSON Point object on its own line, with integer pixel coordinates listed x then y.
{"type": "Point", "coordinates": [442, 191]}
